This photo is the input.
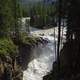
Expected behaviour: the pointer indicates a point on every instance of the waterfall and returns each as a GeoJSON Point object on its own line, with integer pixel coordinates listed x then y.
{"type": "Point", "coordinates": [43, 59]}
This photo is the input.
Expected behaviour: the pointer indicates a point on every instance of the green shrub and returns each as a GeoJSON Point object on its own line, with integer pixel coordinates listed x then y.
{"type": "Point", "coordinates": [7, 47]}
{"type": "Point", "coordinates": [28, 39]}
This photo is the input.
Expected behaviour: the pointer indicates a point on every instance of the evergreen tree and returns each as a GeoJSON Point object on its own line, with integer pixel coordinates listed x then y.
{"type": "Point", "coordinates": [10, 13]}
{"type": "Point", "coordinates": [6, 17]}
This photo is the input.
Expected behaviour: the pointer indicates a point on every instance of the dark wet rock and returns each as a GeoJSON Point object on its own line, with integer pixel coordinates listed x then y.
{"type": "Point", "coordinates": [24, 55]}
{"type": "Point", "coordinates": [41, 34]}
{"type": "Point", "coordinates": [51, 34]}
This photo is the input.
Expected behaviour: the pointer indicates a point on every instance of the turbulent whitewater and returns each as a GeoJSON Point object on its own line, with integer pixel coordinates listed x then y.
{"type": "Point", "coordinates": [43, 57]}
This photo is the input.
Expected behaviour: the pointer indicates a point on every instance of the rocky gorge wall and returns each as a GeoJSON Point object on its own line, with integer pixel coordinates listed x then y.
{"type": "Point", "coordinates": [13, 65]}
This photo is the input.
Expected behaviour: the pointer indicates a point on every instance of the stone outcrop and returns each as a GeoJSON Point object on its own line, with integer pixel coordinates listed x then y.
{"type": "Point", "coordinates": [9, 70]}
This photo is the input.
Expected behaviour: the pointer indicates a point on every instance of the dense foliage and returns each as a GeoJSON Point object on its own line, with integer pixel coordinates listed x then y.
{"type": "Point", "coordinates": [6, 17]}
{"type": "Point", "coordinates": [7, 47]}
{"type": "Point", "coordinates": [41, 14]}
{"type": "Point", "coordinates": [9, 14]}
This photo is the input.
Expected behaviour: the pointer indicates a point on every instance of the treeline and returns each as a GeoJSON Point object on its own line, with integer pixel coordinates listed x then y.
{"type": "Point", "coordinates": [41, 14]}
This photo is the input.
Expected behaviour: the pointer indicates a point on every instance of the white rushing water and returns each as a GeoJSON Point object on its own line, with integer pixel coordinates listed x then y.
{"type": "Point", "coordinates": [42, 64]}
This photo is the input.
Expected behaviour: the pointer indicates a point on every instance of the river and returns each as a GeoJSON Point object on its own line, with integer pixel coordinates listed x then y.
{"type": "Point", "coordinates": [42, 63]}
